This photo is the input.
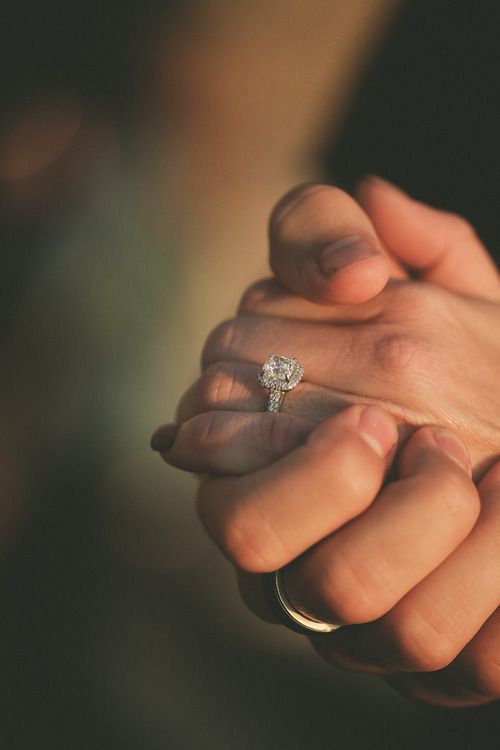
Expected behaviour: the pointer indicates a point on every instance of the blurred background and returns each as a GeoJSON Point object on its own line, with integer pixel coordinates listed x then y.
{"type": "Point", "coordinates": [142, 146]}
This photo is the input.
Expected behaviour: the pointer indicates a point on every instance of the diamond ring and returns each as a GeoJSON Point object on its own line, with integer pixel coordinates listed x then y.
{"type": "Point", "coordinates": [279, 374]}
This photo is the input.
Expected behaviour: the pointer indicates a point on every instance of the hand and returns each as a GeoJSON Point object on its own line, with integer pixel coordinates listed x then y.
{"type": "Point", "coordinates": [424, 353]}
{"type": "Point", "coordinates": [401, 237]}
{"type": "Point", "coordinates": [482, 264]}
{"type": "Point", "coordinates": [401, 572]}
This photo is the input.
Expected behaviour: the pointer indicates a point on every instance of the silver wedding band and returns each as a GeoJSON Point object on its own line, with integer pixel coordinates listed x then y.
{"type": "Point", "coordinates": [286, 612]}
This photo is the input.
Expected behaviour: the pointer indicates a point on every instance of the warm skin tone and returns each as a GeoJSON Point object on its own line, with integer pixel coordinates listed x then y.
{"type": "Point", "coordinates": [416, 572]}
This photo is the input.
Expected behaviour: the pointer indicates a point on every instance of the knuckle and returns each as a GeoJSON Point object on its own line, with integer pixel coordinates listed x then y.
{"type": "Point", "coordinates": [217, 385]}
{"type": "Point", "coordinates": [219, 342]}
{"type": "Point", "coordinates": [203, 430]}
{"type": "Point", "coordinates": [241, 526]}
{"type": "Point", "coordinates": [350, 593]}
{"type": "Point", "coordinates": [421, 646]}
{"type": "Point", "coordinates": [402, 355]}
{"type": "Point", "coordinates": [250, 543]}
{"type": "Point", "coordinates": [256, 293]}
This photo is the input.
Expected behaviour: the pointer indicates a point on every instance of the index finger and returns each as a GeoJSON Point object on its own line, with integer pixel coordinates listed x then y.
{"type": "Point", "coordinates": [441, 247]}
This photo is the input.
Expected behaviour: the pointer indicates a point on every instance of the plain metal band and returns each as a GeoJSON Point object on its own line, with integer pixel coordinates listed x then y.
{"type": "Point", "coordinates": [274, 588]}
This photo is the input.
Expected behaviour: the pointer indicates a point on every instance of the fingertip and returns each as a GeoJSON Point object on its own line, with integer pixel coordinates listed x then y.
{"type": "Point", "coordinates": [373, 184]}
{"type": "Point", "coordinates": [352, 283]}
{"type": "Point", "coordinates": [454, 448]}
{"type": "Point", "coordinates": [434, 439]}
{"type": "Point", "coordinates": [376, 427]}
{"type": "Point", "coordinates": [359, 282]}
{"type": "Point", "coordinates": [391, 209]}
{"type": "Point", "coordinates": [164, 438]}
{"type": "Point", "coordinates": [355, 269]}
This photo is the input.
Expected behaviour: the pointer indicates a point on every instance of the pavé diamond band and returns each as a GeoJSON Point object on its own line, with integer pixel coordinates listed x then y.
{"type": "Point", "coordinates": [279, 374]}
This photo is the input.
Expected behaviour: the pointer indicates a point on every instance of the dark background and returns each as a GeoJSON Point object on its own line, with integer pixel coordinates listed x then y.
{"type": "Point", "coordinates": [427, 113]}
{"type": "Point", "coordinates": [426, 116]}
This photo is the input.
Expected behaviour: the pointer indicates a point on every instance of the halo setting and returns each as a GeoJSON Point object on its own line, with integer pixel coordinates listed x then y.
{"type": "Point", "coordinates": [279, 374]}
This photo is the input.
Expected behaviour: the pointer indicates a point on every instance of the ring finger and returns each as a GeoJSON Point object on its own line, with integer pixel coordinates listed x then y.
{"type": "Point", "coordinates": [345, 351]}
{"type": "Point", "coordinates": [232, 386]}
{"type": "Point", "coordinates": [355, 360]}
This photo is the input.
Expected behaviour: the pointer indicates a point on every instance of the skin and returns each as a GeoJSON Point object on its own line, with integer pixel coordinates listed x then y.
{"type": "Point", "coordinates": [298, 488]}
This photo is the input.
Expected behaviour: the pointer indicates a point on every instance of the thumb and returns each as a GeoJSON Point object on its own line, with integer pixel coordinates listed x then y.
{"type": "Point", "coordinates": [324, 247]}
{"type": "Point", "coordinates": [440, 247]}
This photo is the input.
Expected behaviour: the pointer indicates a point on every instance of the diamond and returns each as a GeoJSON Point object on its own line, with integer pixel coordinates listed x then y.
{"type": "Point", "coordinates": [280, 373]}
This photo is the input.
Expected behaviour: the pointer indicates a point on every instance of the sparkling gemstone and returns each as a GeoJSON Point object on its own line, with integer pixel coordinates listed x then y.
{"type": "Point", "coordinates": [282, 373]}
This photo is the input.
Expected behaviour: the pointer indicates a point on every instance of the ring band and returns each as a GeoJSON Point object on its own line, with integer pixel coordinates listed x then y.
{"type": "Point", "coordinates": [277, 598]}
{"type": "Point", "coordinates": [279, 374]}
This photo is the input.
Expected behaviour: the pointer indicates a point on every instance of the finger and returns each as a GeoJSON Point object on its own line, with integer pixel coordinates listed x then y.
{"type": "Point", "coordinates": [323, 247]}
{"type": "Point", "coordinates": [251, 339]}
{"type": "Point", "coordinates": [350, 359]}
{"type": "Point", "coordinates": [270, 298]}
{"type": "Point", "coordinates": [225, 442]}
{"type": "Point", "coordinates": [471, 680]}
{"type": "Point", "coordinates": [264, 520]}
{"type": "Point", "coordinates": [363, 570]}
{"type": "Point", "coordinates": [437, 619]}
{"type": "Point", "coordinates": [473, 677]}
{"type": "Point", "coordinates": [232, 386]}
{"type": "Point", "coordinates": [441, 247]}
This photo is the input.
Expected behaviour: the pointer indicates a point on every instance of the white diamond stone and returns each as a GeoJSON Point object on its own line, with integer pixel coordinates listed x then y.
{"type": "Point", "coordinates": [280, 373]}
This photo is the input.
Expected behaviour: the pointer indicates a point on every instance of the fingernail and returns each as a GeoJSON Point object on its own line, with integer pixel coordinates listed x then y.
{"type": "Point", "coordinates": [343, 253]}
{"type": "Point", "coordinates": [453, 447]}
{"type": "Point", "coordinates": [164, 437]}
{"type": "Point", "coordinates": [378, 429]}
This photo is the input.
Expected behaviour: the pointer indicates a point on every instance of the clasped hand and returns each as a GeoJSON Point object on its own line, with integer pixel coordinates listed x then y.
{"type": "Point", "coordinates": [392, 308]}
